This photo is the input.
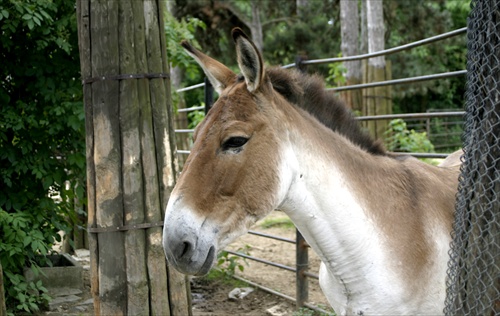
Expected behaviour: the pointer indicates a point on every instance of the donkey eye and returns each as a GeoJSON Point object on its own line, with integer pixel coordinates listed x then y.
{"type": "Point", "coordinates": [234, 142]}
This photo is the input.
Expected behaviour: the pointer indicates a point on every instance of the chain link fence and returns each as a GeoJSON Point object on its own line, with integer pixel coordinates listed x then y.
{"type": "Point", "coordinates": [473, 285]}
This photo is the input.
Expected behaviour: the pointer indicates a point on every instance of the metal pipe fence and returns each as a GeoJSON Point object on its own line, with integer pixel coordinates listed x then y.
{"type": "Point", "coordinates": [400, 81]}
{"type": "Point", "coordinates": [301, 247]}
{"type": "Point", "coordinates": [385, 51]}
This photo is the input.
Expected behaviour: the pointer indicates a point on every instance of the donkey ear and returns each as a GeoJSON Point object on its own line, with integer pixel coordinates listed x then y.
{"type": "Point", "coordinates": [219, 75]}
{"type": "Point", "coordinates": [249, 59]}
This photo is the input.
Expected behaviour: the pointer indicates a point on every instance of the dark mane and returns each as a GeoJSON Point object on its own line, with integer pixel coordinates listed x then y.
{"type": "Point", "coordinates": [308, 92]}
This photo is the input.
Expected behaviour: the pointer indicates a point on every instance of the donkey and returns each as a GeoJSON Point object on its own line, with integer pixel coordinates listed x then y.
{"type": "Point", "coordinates": [381, 225]}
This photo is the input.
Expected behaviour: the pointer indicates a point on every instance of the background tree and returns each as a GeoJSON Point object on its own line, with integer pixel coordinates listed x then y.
{"type": "Point", "coordinates": [407, 22]}
{"type": "Point", "coordinates": [311, 29]}
{"type": "Point", "coordinates": [41, 137]}
{"type": "Point", "coordinates": [350, 35]}
{"type": "Point", "coordinates": [376, 101]}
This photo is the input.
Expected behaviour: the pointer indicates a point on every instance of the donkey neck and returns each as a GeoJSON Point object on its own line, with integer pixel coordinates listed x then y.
{"type": "Point", "coordinates": [323, 204]}
{"type": "Point", "coordinates": [338, 195]}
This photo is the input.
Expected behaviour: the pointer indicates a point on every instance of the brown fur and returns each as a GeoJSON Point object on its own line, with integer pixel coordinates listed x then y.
{"type": "Point", "coordinates": [308, 92]}
{"type": "Point", "coordinates": [408, 201]}
{"type": "Point", "coordinates": [211, 171]}
{"type": "Point", "coordinates": [396, 192]}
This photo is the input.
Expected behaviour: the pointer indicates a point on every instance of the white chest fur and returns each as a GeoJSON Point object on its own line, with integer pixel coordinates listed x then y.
{"type": "Point", "coordinates": [356, 275]}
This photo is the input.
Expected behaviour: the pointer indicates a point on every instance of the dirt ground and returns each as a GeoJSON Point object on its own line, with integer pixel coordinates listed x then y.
{"type": "Point", "coordinates": [215, 300]}
{"type": "Point", "coordinates": [280, 252]}
{"type": "Point", "coordinates": [210, 296]}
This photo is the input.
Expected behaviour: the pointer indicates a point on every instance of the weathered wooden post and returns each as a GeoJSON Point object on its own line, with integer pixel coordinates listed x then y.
{"type": "Point", "coordinates": [130, 157]}
{"type": "Point", "coordinates": [376, 101]}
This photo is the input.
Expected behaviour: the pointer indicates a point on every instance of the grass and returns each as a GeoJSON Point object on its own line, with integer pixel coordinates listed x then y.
{"type": "Point", "coordinates": [217, 275]}
{"type": "Point", "coordinates": [283, 222]}
{"type": "Point", "coordinates": [304, 311]}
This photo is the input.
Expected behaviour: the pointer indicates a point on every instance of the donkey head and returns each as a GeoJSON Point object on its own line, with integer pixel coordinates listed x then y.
{"type": "Point", "coordinates": [233, 176]}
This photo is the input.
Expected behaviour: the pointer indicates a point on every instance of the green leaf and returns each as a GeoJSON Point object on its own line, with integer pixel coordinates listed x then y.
{"type": "Point", "coordinates": [27, 240]}
{"type": "Point", "coordinates": [27, 16]}
{"type": "Point", "coordinates": [5, 13]}
{"type": "Point", "coordinates": [37, 21]}
{"type": "Point", "coordinates": [31, 24]}
{"type": "Point", "coordinates": [34, 245]}
{"type": "Point", "coordinates": [21, 297]}
{"type": "Point", "coordinates": [47, 181]}
{"type": "Point", "coordinates": [38, 15]}
{"type": "Point", "coordinates": [45, 14]}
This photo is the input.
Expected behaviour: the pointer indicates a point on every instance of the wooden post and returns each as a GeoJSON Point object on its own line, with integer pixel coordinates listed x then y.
{"type": "Point", "coordinates": [83, 16]}
{"type": "Point", "coordinates": [378, 100]}
{"type": "Point", "coordinates": [353, 98]}
{"type": "Point", "coordinates": [130, 157]}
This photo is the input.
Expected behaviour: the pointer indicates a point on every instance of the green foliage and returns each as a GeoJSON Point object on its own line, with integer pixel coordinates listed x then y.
{"type": "Point", "coordinates": [311, 32]}
{"type": "Point", "coordinates": [304, 311]}
{"type": "Point", "coordinates": [177, 31]}
{"type": "Point", "coordinates": [29, 295]}
{"type": "Point", "coordinates": [399, 138]}
{"type": "Point", "coordinates": [277, 222]}
{"type": "Point", "coordinates": [228, 263]}
{"type": "Point", "coordinates": [336, 72]}
{"type": "Point", "coordinates": [42, 137]}
{"type": "Point", "coordinates": [22, 242]}
{"type": "Point", "coordinates": [195, 117]}
{"type": "Point", "coordinates": [426, 20]}
{"type": "Point", "coordinates": [217, 276]}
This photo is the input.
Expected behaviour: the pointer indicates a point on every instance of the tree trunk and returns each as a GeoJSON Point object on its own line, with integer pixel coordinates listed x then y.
{"type": "Point", "coordinates": [363, 45]}
{"type": "Point", "coordinates": [300, 6]}
{"type": "Point", "coordinates": [256, 27]}
{"type": "Point", "coordinates": [130, 157]}
{"type": "Point", "coordinates": [377, 101]}
{"type": "Point", "coordinates": [376, 31]}
{"type": "Point", "coordinates": [253, 23]}
{"type": "Point", "coordinates": [349, 30]}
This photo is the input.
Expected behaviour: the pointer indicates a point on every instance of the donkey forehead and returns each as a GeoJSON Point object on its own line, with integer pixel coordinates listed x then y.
{"type": "Point", "coordinates": [236, 109]}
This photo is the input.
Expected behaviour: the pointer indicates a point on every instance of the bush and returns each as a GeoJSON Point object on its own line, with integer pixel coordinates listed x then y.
{"type": "Point", "coordinates": [42, 138]}
{"type": "Point", "coordinates": [399, 138]}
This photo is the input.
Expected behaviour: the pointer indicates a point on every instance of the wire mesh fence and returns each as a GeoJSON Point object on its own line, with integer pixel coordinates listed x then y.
{"type": "Point", "coordinates": [473, 285]}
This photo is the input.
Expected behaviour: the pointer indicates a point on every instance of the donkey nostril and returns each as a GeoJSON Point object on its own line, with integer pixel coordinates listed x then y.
{"type": "Point", "coordinates": [187, 248]}
{"type": "Point", "coordinates": [183, 249]}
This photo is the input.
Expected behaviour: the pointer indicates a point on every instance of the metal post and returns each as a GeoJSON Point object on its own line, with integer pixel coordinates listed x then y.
{"type": "Point", "coordinates": [302, 261]}
{"type": "Point", "coordinates": [209, 95]}
{"type": "Point", "coordinates": [299, 63]}
{"type": "Point", "coordinates": [302, 258]}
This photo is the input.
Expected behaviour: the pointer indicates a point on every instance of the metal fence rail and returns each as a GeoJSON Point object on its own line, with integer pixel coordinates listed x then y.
{"type": "Point", "coordinates": [301, 264]}
{"type": "Point", "coordinates": [400, 81]}
{"type": "Point", "coordinates": [385, 51]}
